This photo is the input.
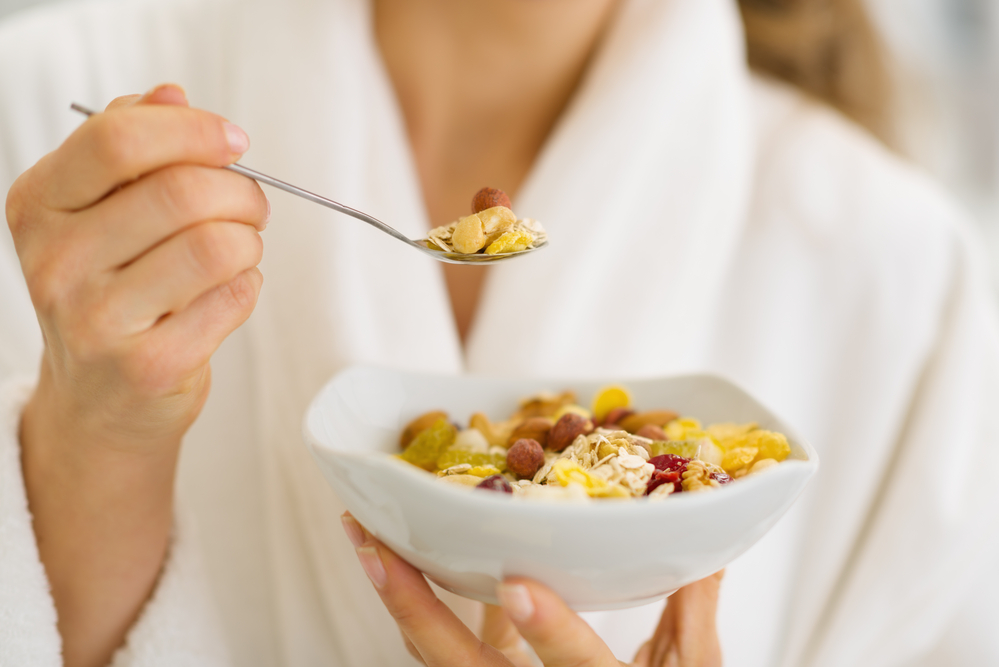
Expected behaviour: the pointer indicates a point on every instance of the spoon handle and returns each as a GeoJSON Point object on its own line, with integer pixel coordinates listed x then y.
{"type": "Point", "coordinates": [297, 191]}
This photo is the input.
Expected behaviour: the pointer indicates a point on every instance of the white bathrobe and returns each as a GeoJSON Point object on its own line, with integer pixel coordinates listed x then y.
{"type": "Point", "coordinates": [701, 219]}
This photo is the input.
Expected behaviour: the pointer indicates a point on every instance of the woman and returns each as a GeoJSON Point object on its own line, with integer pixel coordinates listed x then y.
{"type": "Point", "coordinates": [700, 218]}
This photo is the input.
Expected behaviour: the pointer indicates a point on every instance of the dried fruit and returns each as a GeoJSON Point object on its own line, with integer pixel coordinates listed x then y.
{"type": "Point", "coordinates": [569, 427]}
{"type": "Point", "coordinates": [495, 483]}
{"type": "Point", "coordinates": [634, 422]}
{"type": "Point", "coordinates": [514, 240]}
{"type": "Point", "coordinates": [609, 398]}
{"type": "Point", "coordinates": [453, 457]}
{"type": "Point", "coordinates": [429, 444]}
{"type": "Point", "coordinates": [535, 428]}
{"type": "Point", "coordinates": [469, 235]}
{"type": "Point", "coordinates": [739, 457]}
{"type": "Point", "coordinates": [686, 448]}
{"type": "Point", "coordinates": [525, 458]}
{"type": "Point", "coordinates": [669, 469]}
{"type": "Point", "coordinates": [652, 432]}
{"type": "Point", "coordinates": [421, 423]}
{"type": "Point", "coordinates": [770, 445]}
{"type": "Point", "coordinates": [488, 198]}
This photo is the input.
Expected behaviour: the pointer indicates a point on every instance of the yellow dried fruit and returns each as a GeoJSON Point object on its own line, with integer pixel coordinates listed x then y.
{"type": "Point", "coordinates": [609, 398]}
{"type": "Point", "coordinates": [771, 445]}
{"type": "Point", "coordinates": [737, 458]}
{"type": "Point", "coordinates": [567, 472]}
{"type": "Point", "coordinates": [685, 448]}
{"type": "Point", "coordinates": [469, 235]}
{"type": "Point", "coordinates": [484, 471]}
{"type": "Point", "coordinates": [514, 240]}
{"type": "Point", "coordinates": [685, 428]}
{"type": "Point", "coordinates": [729, 435]}
{"type": "Point", "coordinates": [428, 446]}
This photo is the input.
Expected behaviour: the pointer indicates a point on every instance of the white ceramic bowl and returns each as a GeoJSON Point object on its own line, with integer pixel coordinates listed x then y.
{"type": "Point", "coordinates": [596, 555]}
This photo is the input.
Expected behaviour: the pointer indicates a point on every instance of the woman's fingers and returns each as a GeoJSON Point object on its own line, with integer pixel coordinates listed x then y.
{"type": "Point", "coordinates": [175, 273]}
{"type": "Point", "coordinates": [144, 213]}
{"type": "Point", "coordinates": [558, 635]}
{"type": "Point", "coordinates": [500, 632]}
{"type": "Point", "coordinates": [113, 148]}
{"type": "Point", "coordinates": [687, 634]}
{"type": "Point", "coordinates": [439, 636]}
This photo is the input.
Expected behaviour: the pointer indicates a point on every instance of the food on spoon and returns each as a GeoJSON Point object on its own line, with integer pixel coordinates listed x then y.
{"type": "Point", "coordinates": [550, 448]}
{"type": "Point", "coordinates": [488, 198]}
{"type": "Point", "coordinates": [491, 229]}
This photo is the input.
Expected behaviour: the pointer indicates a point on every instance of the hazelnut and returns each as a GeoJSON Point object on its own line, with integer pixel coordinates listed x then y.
{"type": "Point", "coordinates": [636, 421]}
{"type": "Point", "coordinates": [567, 429]}
{"type": "Point", "coordinates": [615, 416]}
{"type": "Point", "coordinates": [489, 197]}
{"type": "Point", "coordinates": [652, 432]}
{"type": "Point", "coordinates": [525, 458]}
{"type": "Point", "coordinates": [418, 425]}
{"type": "Point", "coordinates": [536, 428]}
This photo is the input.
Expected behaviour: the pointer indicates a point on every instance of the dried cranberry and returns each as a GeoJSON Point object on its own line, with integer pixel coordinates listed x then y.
{"type": "Point", "coordinates": [495, 483]}
{"type": "Point", "coordinates": [721, 477]}
{"type": "Point", "coordinates": [669, 468]}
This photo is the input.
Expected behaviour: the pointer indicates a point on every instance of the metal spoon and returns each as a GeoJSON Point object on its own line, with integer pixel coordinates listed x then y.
{"type": "Point", "coordinates": [439, 255]}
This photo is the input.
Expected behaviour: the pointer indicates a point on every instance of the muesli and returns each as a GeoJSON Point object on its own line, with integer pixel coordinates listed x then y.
{"type": "Point", "coordinates": [492, 228]}
{"type": "Point", "coordinates": [553, 447]}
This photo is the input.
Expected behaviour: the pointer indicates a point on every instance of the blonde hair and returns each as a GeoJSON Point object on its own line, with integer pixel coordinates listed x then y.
{"type": "Point", "coordinates": [828, 48]}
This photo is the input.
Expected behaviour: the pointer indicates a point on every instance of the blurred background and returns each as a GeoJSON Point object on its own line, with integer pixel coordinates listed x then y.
{"type": "Point", "coordinates": [944, 60]}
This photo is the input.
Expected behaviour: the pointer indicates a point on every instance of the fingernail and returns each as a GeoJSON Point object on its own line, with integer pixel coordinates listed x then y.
{"type": "Point", "coordinates": [238, 141]}
{"type": "Point", "coordinates": [516, 601]}
{"type": "Point", "coordinates": [163, 86]}
{"type": "Point", "coordinates": [353, 530]}
{"type": "Point", "coordinates": [266, 220]}
{"type": "Point", "coordinates": [372, 564]}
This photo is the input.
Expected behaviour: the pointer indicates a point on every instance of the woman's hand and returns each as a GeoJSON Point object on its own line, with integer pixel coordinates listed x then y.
{"type": "Point", "coordinates": [686, 636]}
{"type": "Point", "coordinates": [140, 256]}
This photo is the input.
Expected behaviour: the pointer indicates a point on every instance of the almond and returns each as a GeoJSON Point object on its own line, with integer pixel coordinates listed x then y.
{"type": "Point", "coordinates": [655, 417]}
{"type": "Point", "coordinates": [535, 428]}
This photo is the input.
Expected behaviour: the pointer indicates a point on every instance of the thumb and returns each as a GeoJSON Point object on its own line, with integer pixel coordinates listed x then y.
{"type": "Point", "coordinates": [558, 635]}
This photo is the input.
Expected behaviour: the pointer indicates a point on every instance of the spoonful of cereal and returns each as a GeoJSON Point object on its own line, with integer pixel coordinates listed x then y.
{"type": "Point", "coordinates": [491, 234]}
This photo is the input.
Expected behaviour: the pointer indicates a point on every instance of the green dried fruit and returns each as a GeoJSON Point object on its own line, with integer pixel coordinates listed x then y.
{"type": "Point", "coordinates": [428, 446]}
{"type": "Point", "coordinates": [455, 457]}
{"type": "Point", "coordinates": [685, 448]}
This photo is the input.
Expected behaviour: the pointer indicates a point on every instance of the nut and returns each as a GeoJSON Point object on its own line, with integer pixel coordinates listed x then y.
{"type": "Point", "coordinates": [469, 235]}
{"type": "Point", "coordinates": [654, 417]}
{"type": "Point", "coordinates": [615, 416]}
{"type": "Point", "coordinates": [421, 423]}
{"type": "Point", "coordinates": [545, 405]}
{"type": "Point", "coordinates": [496, 434]}
{"type": "Point", "coordinates": [525, 458]}
{"type": "Point", "coordinates": [489, 197]}
{"type": "Point", "coordinates": [536, 428]}
{"type": "Point", "coordinates": [496, 221]}
{"type": "Point", "coordinates": [652, 432]}
{"type": "Point", "coordinates": [567, 429]}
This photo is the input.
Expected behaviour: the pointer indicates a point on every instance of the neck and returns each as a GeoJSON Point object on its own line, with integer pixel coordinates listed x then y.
{"type": "Point", "coordinates": [481, 84]}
